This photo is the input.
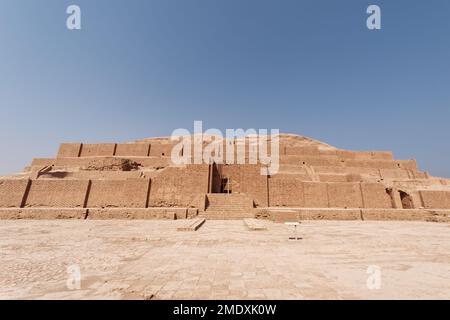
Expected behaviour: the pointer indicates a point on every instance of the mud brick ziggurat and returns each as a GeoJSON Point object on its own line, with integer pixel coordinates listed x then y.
{"type": "Point", "coordinates": [138, 181]}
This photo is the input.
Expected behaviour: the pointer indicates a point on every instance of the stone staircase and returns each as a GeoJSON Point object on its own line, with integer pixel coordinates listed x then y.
{"type": "Point", "coordinates": [223, 206]}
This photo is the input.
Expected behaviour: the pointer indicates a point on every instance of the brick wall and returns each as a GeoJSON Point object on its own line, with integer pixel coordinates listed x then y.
{"type": "Point", "coordinates": [285, 191]}
{"type": "Point", "coordinates": [344, 195]}
{"type": "Point", "coordinates": [178, 186]}
{"type": "Point", "coordinates": [315, 194]}
{"type": "Point", "coordinates": [67, 150]}
{"type": "Point", "coordinates": [435, 199]}
{"type": "Point", "coordinates": [12, 192]}
{"type": "Point", "coordinates": [133, 149]}
{"type": "Point", "coordinates": [161, 150]}
{"type": "Point", "coordinates": [132, 193]}
{"type": "Point", "coordinates": [57, 193]}
{"type": "Point", "coordinates": [375, 196]}
{"type": "Point", "coordinates": [95, 150]}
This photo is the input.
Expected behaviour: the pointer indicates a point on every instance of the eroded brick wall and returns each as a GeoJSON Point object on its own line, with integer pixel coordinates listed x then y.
{"type": "Point", "coordinates": [161, 150]}
{"type": "Point", "coordinates": [286, 192]}
{"type": "Point", "coordinates": [315, 194]}
{"type": "Point", "coordinates": [132, 149]}
{"type": "Point", "coordinates": [375, 195]}
{"type": "Point", "coordinates": [344, 195]}
{"type": "Point", "coordinates": [57, 193]}
{"type": "Point", "coordinates": [435, 199]}
{"type": "Point", "coordinates": [132, 193]}
{"type": "Point", "coordinates": [67, 150]}
{"type": "Point", "coordinates": [100, 149]}
{"type": "Point", "coordinates": [13, 192]}
{"type": "Point", "coordinates": [178, 186]}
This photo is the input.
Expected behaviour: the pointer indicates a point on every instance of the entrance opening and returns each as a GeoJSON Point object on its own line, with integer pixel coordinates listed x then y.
{"type": "Point", "coordinates": [407, 202]}
{"type": "Point", "coordinates": [225, 186]}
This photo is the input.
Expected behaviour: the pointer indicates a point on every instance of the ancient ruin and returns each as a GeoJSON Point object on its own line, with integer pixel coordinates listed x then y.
{"type": "Point", "coordinates": [139, 181]}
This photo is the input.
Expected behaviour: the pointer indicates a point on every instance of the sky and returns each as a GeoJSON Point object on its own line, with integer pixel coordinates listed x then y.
{"type": "Point", "coordinates": [143, 68]}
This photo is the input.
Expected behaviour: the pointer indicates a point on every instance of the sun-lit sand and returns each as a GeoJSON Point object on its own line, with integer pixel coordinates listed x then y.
{"type": "Point", "coordinates": [120, 259]}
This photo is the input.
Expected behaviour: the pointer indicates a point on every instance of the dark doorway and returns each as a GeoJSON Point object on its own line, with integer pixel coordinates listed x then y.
{"type": "Point", "coordinates": [406, 199]}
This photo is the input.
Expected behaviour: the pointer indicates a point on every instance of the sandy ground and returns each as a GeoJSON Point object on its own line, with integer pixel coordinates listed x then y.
{"type": "Point", "coordinates": [223, 260]}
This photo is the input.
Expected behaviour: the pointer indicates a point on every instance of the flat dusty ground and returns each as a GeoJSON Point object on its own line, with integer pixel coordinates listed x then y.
{"type": "Point", "coordinates": [223, 260]}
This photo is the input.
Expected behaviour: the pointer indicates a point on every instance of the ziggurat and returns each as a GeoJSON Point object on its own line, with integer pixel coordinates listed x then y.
{"type": "Point", "coordinates": [138, 181]}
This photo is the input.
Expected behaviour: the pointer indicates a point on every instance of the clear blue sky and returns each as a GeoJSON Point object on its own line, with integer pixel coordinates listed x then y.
{"type": "Point", "coordinates": [143, 68]}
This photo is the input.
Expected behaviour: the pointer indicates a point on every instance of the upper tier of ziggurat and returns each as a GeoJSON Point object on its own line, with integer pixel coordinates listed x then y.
{"type": "Point", "coordinates": [139, 180]}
